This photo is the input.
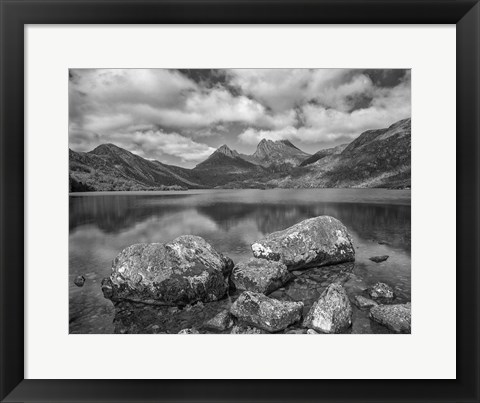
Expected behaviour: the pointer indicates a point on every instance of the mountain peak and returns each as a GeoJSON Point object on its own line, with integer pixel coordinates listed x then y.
{"type": "Point", "coordinates": [225, 150]}
{"type": "Point", "coordinates": [288, 143]}
{"type": "Point", "coordinates": [107, 148]}
{"type": "Point", "coordinates": [279, 151]}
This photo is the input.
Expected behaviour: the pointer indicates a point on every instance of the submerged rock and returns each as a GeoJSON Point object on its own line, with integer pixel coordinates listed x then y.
{"type": "Point", "coordinates": [189, 331]}
{"type": "Point", "coordinates": [260, 275]}
{"type": "Point", "coordinates": [134, 317]}
{"type": "Point", "coordinates": [397, 318]}
{"type": "Point", "coordinates": [240, 329]}
{"type": "Point", "coordinates": [79, 281]}
{"type": "Point", "coordinates": [363, 302]}
{"type": "Point", "coordinates": [184, 271]}
{"type": "Point", "coordinates": [381, 290]}
{"type": "Point", "coordinates": [220, 322]}
{"type": "Point", "coordinates": [312, 282]}
{"type": "Point", "coordinates": [295, 331]}
{"type": "Point", "coordinates": [266, 313]}
{"type": "Point", "coordinates": [378, 259]}
{"type": "Point", "coordinates": [318, 241]}
{"type": "Point", "coordinates": [332, 313]}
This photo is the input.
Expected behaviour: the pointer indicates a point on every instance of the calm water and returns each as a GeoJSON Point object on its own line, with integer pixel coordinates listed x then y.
{"type": "Point", "coordinates": [101, 225]}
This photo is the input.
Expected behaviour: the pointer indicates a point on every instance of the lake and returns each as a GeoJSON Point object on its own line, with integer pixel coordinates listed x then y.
{"type": "Point", "coordinates": [102, 224]}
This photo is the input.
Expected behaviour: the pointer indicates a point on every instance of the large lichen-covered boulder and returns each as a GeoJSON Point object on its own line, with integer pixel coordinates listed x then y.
{"type": "Point", "coordinates": [332, 312]}
{"type": "Point", "coordinates": [318, 241]}
{"type": "Point", "coordinates": [183, 271]}
{"type": "Point", "coordinates": [260, 275]}
{"type": "Point", "coordinates": [266, 313]}
{"type": "Point", "coordinates": [397, 318]}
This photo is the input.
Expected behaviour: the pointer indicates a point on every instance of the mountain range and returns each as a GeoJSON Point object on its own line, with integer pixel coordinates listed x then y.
{"type": "Point", "coordinates": [376, 158]}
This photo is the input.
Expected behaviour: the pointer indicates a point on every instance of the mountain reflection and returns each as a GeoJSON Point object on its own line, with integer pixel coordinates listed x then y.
{"type": "Point", "coordinates": [113, 214]}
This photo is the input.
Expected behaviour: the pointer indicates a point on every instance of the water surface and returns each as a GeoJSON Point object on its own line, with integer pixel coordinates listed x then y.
{"type": "Point", "coordinates": [102, 224]}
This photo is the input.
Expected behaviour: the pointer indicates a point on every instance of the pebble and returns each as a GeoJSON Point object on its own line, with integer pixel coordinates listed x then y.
{"type": "Point", "coordinates": [378, 259]}
{"type": "Point", "coordinates": [79, 281]}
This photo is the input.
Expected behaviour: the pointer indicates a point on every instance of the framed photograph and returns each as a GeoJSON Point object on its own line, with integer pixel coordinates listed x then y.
{"type": "Point", "coordinates": [239, 201]}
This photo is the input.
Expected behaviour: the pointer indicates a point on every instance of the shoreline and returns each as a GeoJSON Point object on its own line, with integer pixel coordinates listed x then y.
{"type": "Point", "coordinates": [276, 196]}
{"type": "Point", "coordinates": [217, 190]}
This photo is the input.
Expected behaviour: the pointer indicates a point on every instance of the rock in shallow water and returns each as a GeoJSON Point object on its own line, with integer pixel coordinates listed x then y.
{"type": "Point", "coordinates": [79, 281]}
{"type": "Point", "coordinates": [363, 302]}
{"type": "Point", "coordinates": [312, 282]}
{"type": "Point", "coordinates": [220, 322]}
{"type": "Point", "coordinates": [295, 331]}
{"type": "Point", "coordinates": [240, 329]}
{"type": "Point", "coordinates": [188, 331]}
{"type": "Point", "coordinates": [397, 318]}
{"type": "Point", "coordinates": [266, 313]}
{"type": "Point", "coordinates": [378, 259]}
{"type": "Point", "coordinates": [332, 313]}
{"type": "Point", "coordinates": [381, 290]}
{"type": "Point", "coordinates": [260, 275]}
{"type": "Point", "coordinates": [180, 272]}
{"type": "Point", "coordinates": [318, 241]}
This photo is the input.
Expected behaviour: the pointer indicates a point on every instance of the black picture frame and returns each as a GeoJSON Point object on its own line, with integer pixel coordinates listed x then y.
{"type": "Point", "coordinates": [15, 14]}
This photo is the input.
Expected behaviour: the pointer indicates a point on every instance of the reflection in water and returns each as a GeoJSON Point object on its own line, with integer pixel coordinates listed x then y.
{"type": "Point", "coordinates": [102, 225]}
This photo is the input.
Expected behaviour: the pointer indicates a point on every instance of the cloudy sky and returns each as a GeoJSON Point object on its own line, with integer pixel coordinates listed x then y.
{"type": "Point", "coordinates": [180, 116]}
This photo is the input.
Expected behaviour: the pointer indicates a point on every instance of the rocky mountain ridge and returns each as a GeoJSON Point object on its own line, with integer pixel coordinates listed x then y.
{"type": "Point", "coordinates": [376, 158]}
{"type": "Point", "coordinates": [109, 167]}
{"type": "Point", "coordinates": [271, 152]}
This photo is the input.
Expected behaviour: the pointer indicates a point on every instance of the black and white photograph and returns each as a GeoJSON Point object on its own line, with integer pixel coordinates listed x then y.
{"type": "Point", "coordinates": [239, 201]}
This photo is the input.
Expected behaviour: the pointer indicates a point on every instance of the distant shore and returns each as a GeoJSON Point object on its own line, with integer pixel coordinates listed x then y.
{"type": "Point", "coordinates": [347, 195]}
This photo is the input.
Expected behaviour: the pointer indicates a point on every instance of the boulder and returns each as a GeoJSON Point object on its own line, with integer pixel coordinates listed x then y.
{"type": "Point", "coordinates": [318, 241]}
{"type": "Point", "coordinates": [266, 313]}
{"type": "Point", "coordinates": [311, 331]}
{"type": "Point", "coordinates": [381, 291]}
{"type": "Point", "coordinates": [181, 272]}
{"type": "Point", "coordinates": [189, 331]}
{"type": "Point", "coordinates": [79, 281]}
{"type": "Point", "coordinates": [260, 275]}
{"type": "Point", "coordinates": [378, 259]}
{"type": "Point", "coordinates": [243, 329]}
{"type": "Point", "coordinates": [220, 322]}
{"type": "Point", "coordinates": [331, 313]}
{"type": "Point", "coordinates": [313, 282]}
{"type": "Point", "coordinates": [397, 318]}
{"type": "Point", "coordinates": [295, 331]}
{"type": "Point", "coordinates": [362, 302]}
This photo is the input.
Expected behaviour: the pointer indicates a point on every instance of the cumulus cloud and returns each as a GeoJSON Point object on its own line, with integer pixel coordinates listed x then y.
{"type": "Point", "coordinates": [106, 100]}
{"type": "Point", "coordinates": [327, 124]}
{"type": "Point", "coordinates": [152, 144]}
{"type": "Point", "coordinates": [181, 116]}
{"type": "Point", "coordinates": [155, 143]}
{"type": "Point", "coordinates": [283, 89]}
